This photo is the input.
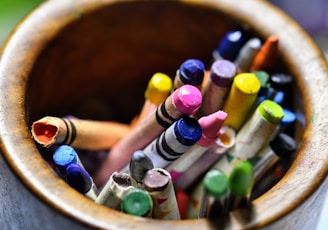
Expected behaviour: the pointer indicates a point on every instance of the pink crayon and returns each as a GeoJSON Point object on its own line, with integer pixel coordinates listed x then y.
{"type": "Point", "coordinates": [186, 100]}
{"type": "Point", "coordinates": [211, 125]}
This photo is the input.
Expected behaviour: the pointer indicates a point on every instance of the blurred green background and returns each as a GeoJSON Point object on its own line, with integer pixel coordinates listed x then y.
{"type": "Point", "coordinates": [11, 12]}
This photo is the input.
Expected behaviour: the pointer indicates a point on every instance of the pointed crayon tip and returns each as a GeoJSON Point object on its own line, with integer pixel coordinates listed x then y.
{"type": "Point", "coordinates": [266, 58]}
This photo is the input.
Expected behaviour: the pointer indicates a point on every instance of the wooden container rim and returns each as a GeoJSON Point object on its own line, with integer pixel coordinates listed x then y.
{"type": "Point", "coordinates": [303, 58]}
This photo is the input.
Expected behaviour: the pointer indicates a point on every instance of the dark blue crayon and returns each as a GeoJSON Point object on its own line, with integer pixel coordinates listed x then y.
{"type": "Point", "coordinates": [229, 46]}
{"type": "Point", "coordinates": [174, 141]}
{"type": "Point", "coordinates": [80, 180]}
{"type": "Point", "coordinates": [191, 72]}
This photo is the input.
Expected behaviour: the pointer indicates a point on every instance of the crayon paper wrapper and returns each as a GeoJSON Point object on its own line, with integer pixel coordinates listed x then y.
{"type": "Point", "coordinates": [111, 195]}
{"type": "Point", "coordinates": [165, 205]}
{"type": "Point", "coordinates": [252, 137]}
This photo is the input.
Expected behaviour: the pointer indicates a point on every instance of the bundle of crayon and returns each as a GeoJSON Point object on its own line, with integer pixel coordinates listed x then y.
{"type": "Point", "coordinates": [206, 141]}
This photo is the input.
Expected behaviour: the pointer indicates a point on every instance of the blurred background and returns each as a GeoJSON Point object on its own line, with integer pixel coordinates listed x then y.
{"type": "Point", "coordinates": [311, 15]}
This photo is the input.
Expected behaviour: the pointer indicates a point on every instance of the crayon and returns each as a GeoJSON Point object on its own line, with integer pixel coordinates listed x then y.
{"type": "Point", "coordinates": [186, 100]}
{"type": "Point", "coordinates": [229, 46]}
{"type": "Point", "coordinates": [63, 156]}
{"type": "Point", "coordinates": [113, 191]}
{"type": "Point", "coordinates": [78, 133]}
{"type": "Point", "coordinates": [158, 89]}
{"type": "Point", "coordinates": [158, 183]}
{"type": "Point", "coordinates": [137, 202]}
{"type": "Point", "coordinates": [266, 57]}
{"type": "Point", "coordinates": [240, 100]}
{"type": "Point", "coordinates": [182, 201]}
{"type": "Point", "coordinates": [240, 183]}
{"type": "Point", "coordinates": [264, 79]}
{"type": "Point", "coordinates": [174, 142]}
{"type": "Point", "coordinates": [79, 179]}
{"type": "Point", "coordinates": [282, 82]}
{"type": "Point", "coordinates": [191, 72]}
{"type": "Point", "coordinates": [221, 146]}
{"type": "Point", "coordinates": [247, 54]}
{"type": "Point", "coordinates": [218, 85]}
{"type": "Point", "coordinates": [254, 135]}
{"type": "Point", "coordinates": [281, 147]}
{"type": "Point", "coordinates": [140, 163]}
{"type": "Point", "coordinates": [215, 187]}
{"type": "Point", "coordinates": [211, 126]}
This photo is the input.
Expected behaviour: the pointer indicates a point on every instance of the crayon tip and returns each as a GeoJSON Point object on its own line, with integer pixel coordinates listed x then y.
{"type": "Point", "coordinates": [215, 183]}
{"type": "Point", "coordinates": [187, 99]}
{"type": "Point", "coordinates": [187, 130]}
{"type": "Point", "coordinates": [283, 145]}
{"type": "Point", "coordinates": [248, 83]}
{"type": "Point", "coordinates": [64, 155]}
{"type": "Point", "coordinates": [137, 202]}
{"type": "Point", "coordinates": [241, 179]}
{"type": "Point", "coordinates": [140, 163]}
{"type": "Point", "coordinates": [159, 87]}
{"type": "Point", "coordinates": [264, 79]}
{"type": "Point", "coordinates": [229, 46]}
{"type": "Point", "coordinates": [156, 180]}
{"type": "Point", "coordinates": [271, 111]}
{"type": "Point", "coordinates": [222, 73]}
{"type": "Point", "coordinates": [266, 58]}
{"type": "Point", "coordinates": [78, 178]}
{"type": "Point", "coordinates": [192, 72]}
{"type": "Point", "coordinates": [211, 125]}
{"type": "Point", "coordinates": [281, 81]}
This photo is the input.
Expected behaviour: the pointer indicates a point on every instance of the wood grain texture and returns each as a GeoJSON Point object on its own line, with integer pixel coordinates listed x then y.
{"type": "Point", "coordinates": [68, 51]}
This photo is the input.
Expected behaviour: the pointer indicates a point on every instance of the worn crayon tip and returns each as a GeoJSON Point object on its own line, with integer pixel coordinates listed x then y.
{"type": "Point", "coordinates": [137, 202]}
{"type": "Point", "coordinates": [215, 183]}
{"type": "Point", "coordinates": [64, 155]}
{"type": "Point", "coordinates": [187, 99]}
{"type": "Point", "coordinates": [159, 88]}
{"type": "Point", "coordinates": [187, 130]}
{"type": "Point", "coordinates": [271, 111]}
{"type": "Point", "coordinates": [283, 145]}
{"type": "Point", "coordinates": [222, 73]}
{"type": "Point", "coordinates": [140, 163]}
{"type": "Point", "coordinates": [78, 178]}
{"type": "Point", "coordinates": [241, 179]}
{"type": "Point", "coordinates": [229, 46]}
{"type": "Point", "coordinates": [192, 72]}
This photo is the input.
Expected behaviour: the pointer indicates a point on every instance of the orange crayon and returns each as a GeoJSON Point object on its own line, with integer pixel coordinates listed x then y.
{"type": "Point", "coordinates": [266, 58]}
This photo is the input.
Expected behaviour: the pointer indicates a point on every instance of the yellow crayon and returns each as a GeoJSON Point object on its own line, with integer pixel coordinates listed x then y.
{"type": "Point", "coordinates": [241, 98]}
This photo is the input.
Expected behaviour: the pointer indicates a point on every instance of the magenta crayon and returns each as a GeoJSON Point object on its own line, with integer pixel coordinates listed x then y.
{"type": "Point", "coordinates": [218, 85]}
{"type": "Point", "coordinates": [242, 96]}
{"type": "Point", "coordinates": [211, 126]}
{"type": "Point", "coordinates": [186, 100]}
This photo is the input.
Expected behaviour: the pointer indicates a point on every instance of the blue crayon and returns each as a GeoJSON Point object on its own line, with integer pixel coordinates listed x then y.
{"type": "Point", "coordinates": [229, 46]}
{"type": "Point", "coordinates": [174, 141]}
{"type": "Point", "coordinates": [63, 156]}
{"type": "Point", "coordinates": [79, 179]}
{"type": "Point", "coordinates": [191, 72]}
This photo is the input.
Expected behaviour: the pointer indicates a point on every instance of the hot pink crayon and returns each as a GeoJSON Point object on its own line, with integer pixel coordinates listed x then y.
{"type": "Point", "coordinates": [211, 126]}
{"type": "Point", "coordinates": [186, 100]}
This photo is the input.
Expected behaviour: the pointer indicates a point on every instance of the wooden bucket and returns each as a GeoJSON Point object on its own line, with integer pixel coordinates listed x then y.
{"type": "Point", "coordinates": [68, 51]}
